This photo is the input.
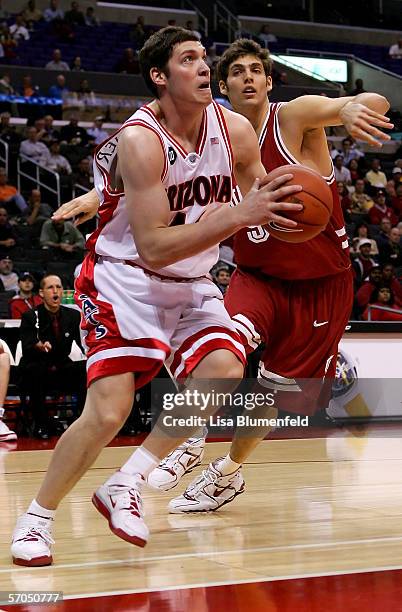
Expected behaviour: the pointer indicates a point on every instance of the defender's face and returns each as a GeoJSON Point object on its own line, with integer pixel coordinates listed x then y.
{"type": "Point", "coordinates": [246, 85]}
{"type": "Point", "coordinates": [188, 78]}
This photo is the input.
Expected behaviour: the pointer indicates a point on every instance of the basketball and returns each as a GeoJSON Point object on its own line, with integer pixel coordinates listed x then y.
{"type": "Point", "coordinates": [316, 198]}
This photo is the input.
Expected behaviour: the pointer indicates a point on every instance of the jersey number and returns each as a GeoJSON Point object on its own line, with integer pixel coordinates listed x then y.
{"type": "Point", "coordinates": [258, 234]}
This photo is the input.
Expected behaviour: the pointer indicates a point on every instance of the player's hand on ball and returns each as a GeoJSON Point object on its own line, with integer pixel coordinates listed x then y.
{"type": "Point", "coordinates": [265, 200]}
{"type": "Point", "coordinates": [83, 208]}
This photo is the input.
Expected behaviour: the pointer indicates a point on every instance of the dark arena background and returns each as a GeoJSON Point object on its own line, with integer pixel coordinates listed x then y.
{"type": "Point", "coordinates": [320, 525]}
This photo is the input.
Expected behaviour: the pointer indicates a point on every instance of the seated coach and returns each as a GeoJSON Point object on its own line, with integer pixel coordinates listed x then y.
{"type": "Point", "coordinates": [47, 334]}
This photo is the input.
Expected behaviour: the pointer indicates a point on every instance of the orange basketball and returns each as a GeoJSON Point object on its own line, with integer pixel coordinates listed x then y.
{"type": "Point", "coordinates": [316, 198]}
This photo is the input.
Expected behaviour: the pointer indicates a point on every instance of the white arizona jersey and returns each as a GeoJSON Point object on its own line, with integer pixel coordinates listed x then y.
{"type": "Point", "coordinates": [192, 181]}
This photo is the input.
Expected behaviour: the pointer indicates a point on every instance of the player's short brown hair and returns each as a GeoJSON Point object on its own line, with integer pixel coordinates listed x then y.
{"type": "Point", "coordinates": [240, 48]}
{"type": "Point", "coordinates": [158, 49]}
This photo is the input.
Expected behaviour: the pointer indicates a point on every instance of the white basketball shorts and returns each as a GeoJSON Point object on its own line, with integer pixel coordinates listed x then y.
{"type": "Point", "coordinates": [133, 321]}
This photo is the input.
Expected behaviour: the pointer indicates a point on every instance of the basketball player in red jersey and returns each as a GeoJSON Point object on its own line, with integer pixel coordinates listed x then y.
{"type": "Point", "coordinates": [296, 298]}
{"type": "Point", "coordinates": [143, 287]}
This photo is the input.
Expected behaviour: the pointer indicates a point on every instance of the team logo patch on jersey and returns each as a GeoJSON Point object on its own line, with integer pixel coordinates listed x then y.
{"type": "Point", "coordinates": [89, 309]}
{"type": "Point", "coordinates": [172, 155]}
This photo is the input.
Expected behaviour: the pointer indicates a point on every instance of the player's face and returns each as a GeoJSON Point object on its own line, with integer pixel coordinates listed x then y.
{"type": "Point", "coordinates": [189, 75]}
{"type": "Point", "coordinates": [246, 85]}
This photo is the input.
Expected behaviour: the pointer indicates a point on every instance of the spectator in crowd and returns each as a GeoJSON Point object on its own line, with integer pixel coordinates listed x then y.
{"type": "Point", "coordinates": [395, 50]}
{"type": "Point", "coordinates": [18, 30]}
{"type": "Point", "coordinates": [6, 434]}
{"type": "Point", "coordinates": [25, 298]}
{"type": "Point", "coordinates": [33, 148]}
{"type": "Point", "coordinates": [38, 211]}
{"type": "Point", "coordinates": [53, 13]}
{"type": "Point", "coordinates": [354, 170]}
{"type": "Point", "coordinates": [7, 131]}
{"type": "Point", "coordinates": [359, 88]}
{"type": "Point", "coordinates": [59, 90]}
{"type": "Point", "coordinates": [382, 296]}
{"type": "Point", "coordinates": [75, 17]}
{"type": "Point", "coordinates": [9, 196]}
{"type": "Point", "coordinates": [5, 85]}
{"type": "Point", "coordinates": [342, 174]}
{"type": "Point", "coordinates": [397, 175]}
{"type": "Point", "coordinates": [397, 201]}
{"type": "Point", "coordinates": [390, 190]}
{"type": "Point", "coordinates": [363, 294]}
{"type": "Point", "coordinates": [50, 132]}
{"type": "Point", "coordinates": [383, 234]}
{"type": "Point", "coordinates": [381, 210]}
{"type": "Point", "coordinates": [57, 63]}
{"type": "Point", "coordinates": [85, 91]}
{"type": "Point", "coordinates": [375, 176]}
{"type": "Point", "coordinates": [344, 198]}
{"type": "Point", "coordinates": [391, 251]}
{"type": "Point", "coordinates": [222, 278]}
{"type": "Point", "coordinates": [349, 151]}
{"type": "Point", "coordinates": [138, 33]}
{"type": "Point", "coordinates": [96, 131]}
{"type": "Point", "coordinates": [8, 44]}
{"type": "Point", "coordinates": [389, 278]}
{"type": "Point", "coordinates": [362, 232]}
{"type": "Point", "coordinates": [31, 13]}
{"type": "Point", "coordinates": [190, 26]}
{"type": "Point", "coordinates": [7, 233]}
{"type": "Point", "coordinates": [7, 276]}
{"type": "Point", "coordinates": [128, 64]}
{"type": "Point", "coordinates": [265, 37]}
{"type": "Point", "coordinates": [40, 127]}
{"type": "Point", "coordinates": [4, 14]}
{"type": "Point", "coordinates": [212, 58]}
{"type": "Point", "coordinates": [76, 65]}
{"type": "Point", "coordinates": [84, 176]}
{"type": "Point", "coordinates": [63, 236]}
{"type": "Point", "coordinates": [55, 161]}
{"type": "Point", "coordinates": [47, 334]}
{"type": "Point", "coordinates": [360, 200]}
{"type": "Point", "coordinates": [90, 18]}
{"type": "Point", "coordinates": [72, 133]}
{"type": "Point", "coordinates": [27, 88]}
{"type": "Point", "coordinates": [363, 263]}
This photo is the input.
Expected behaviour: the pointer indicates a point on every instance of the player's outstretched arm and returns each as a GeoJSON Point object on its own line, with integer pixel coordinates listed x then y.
{"type": "Point", "coordinates": [83, 208]}
{"type": "Point", "coordinates": [363, 116]}
{"type": "Point", "coordinates": [141, 163]}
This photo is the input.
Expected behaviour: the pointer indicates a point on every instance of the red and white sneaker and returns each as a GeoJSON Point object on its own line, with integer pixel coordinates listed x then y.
{"type": "Point", "coordinates": [210, 491]}
{"type": "Point", "coordinates": [119, 501]}
{"type": "Point", "coordinates": [6, 434]}
{"type": "Point", "coordinates": [181, 461]}
{"type": "Point", "coordinates": [31, 542]}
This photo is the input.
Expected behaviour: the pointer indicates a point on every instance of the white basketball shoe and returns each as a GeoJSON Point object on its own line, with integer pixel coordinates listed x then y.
{"type": "Point", "coordinates": [210, 491]}
{"type": "Point", "coordinates": [119, 501]}
{"type": "Point", "coordinates": [32, 539]}
{"type": "Point", "coordinates": [179, 462]}
{"type": "Point", "coordinates": [6, 434]}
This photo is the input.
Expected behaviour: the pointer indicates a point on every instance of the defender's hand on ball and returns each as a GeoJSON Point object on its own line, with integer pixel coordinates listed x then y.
{"type": "Point", "coordinates": [265, 199]}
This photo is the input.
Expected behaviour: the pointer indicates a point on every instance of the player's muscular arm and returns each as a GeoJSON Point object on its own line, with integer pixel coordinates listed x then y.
{"type": "Point", "coordinates": [140, 166]}
{"type": "Point", "coordinates": [361, 115]}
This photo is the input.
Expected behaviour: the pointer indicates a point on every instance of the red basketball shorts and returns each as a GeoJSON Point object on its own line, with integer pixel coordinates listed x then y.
{"type": "Point", "coordinates": [300, 322]}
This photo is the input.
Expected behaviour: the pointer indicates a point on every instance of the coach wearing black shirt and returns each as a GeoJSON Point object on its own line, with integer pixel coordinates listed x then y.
{"type": "Point", "coordinates": [47, 335]}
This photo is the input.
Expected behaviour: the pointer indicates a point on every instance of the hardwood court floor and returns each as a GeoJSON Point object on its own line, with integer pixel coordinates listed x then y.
{"type": "Point", "coordinates": [312, 507]}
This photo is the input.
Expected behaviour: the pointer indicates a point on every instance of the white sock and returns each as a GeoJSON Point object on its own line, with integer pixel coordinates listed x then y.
{"type": "Point", "coordinates": [201, 432]}
{"type": "Point", "coordinates": [141, 462]}
{"type": "Point", "coordinates": [227, 465]}
{"type": "Point", "coordinates": [1, 411]}
{"type": "Point", "coordinates": [38, 510]}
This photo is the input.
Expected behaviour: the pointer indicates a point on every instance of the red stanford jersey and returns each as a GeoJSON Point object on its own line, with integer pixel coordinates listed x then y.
{"type": "Point", "coordinates": [255, 248]}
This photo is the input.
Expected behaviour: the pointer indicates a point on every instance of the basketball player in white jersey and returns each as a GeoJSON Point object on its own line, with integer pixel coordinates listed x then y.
{"type": "Point", "coordinates": [143, 287]}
